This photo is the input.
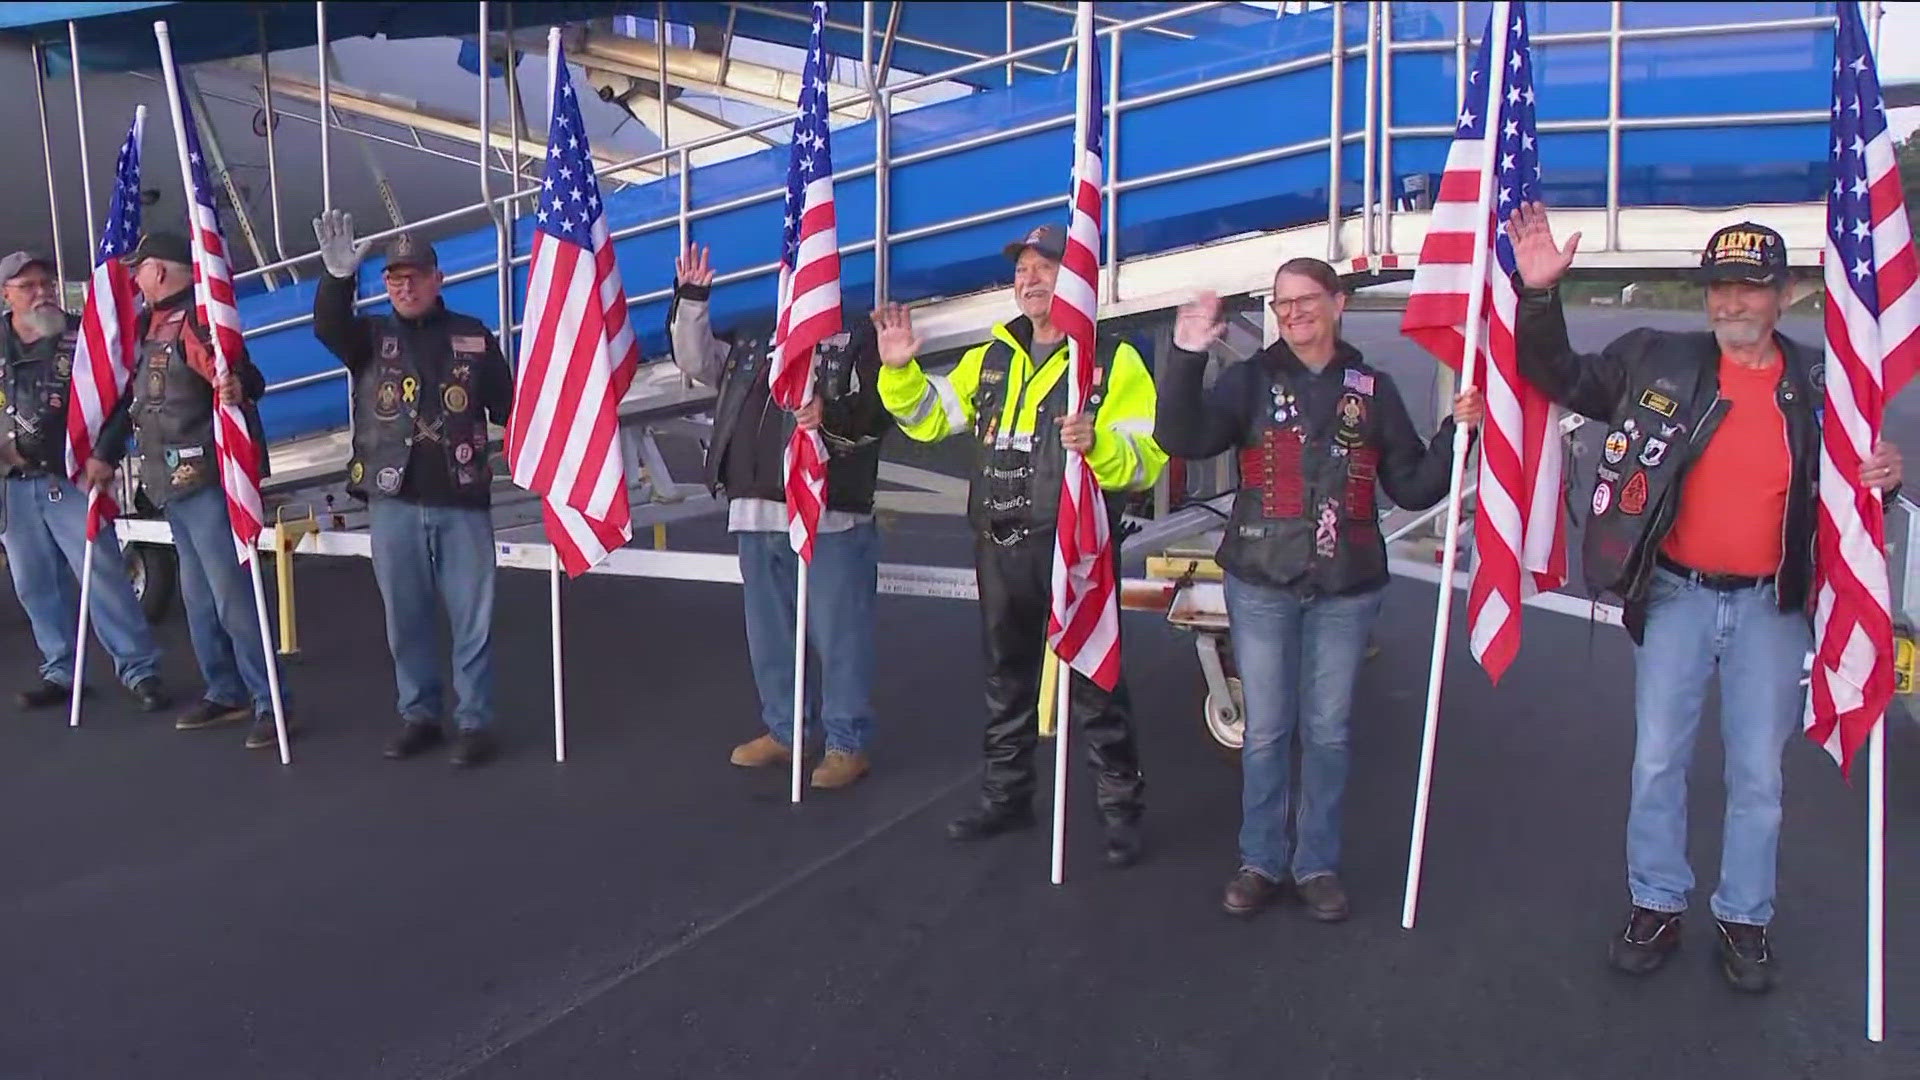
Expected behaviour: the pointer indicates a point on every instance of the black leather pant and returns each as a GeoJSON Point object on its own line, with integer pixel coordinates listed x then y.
{"type": "Point", "coordinates": [1015, 586]}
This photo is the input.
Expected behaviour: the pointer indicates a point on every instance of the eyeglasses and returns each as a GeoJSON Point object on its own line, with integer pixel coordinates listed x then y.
{"type": "Point", "coordinates": [1285, 305]}
{"type": "Point", "coordinates": [32, 285]}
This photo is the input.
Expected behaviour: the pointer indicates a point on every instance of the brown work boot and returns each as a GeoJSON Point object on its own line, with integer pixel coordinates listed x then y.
{"type": "Point", "coordinates": [1323, 896]}
{"type": "Point", "coordinates": [839, 768]}
{"type": "Point", "coordinates": [760, 753]}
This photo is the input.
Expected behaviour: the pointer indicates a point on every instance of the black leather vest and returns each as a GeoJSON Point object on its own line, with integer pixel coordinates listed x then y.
{"type": "Point", "coordinates": [172, 412]}
{"type": "Point", "coordinates": [1017, 483]}
{"type": "Point", "coordinates": [1305, 513]}
{"type": "Point", "coordinates": [396, 408]}
{"type": "Point", "coordinates": [33, 400]}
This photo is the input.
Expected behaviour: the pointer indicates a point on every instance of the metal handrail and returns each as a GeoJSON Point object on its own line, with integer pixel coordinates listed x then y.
{"type": "Point", "coordinates": [1375, 46]}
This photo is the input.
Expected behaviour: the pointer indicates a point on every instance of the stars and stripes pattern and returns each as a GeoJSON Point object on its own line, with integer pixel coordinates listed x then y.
{"type": "Point", "coordinates": [214, 297]}
{"type": "Point", "coordinates": [578, 353]}
{"type": "Point", "coordinates": [109, 347]}
{"type": "Point", "coordinates": [1083, 622]}
{"type": "Point", "coordinates": [809, 290]}
{"type": "Point", "coordinates": [1519, 539]}
{"type": "Point", "coordinates": [1872, 348]}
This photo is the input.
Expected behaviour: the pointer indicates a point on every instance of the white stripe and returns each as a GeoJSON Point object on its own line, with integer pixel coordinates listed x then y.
{"type": "Point", "coordinates": [949, 401]}
{"type": "Point", "coordinates": [929, 401]}
{"type": "Point", "coordinates": [1443, 278]}
{"type": "Point", "coordinates": [1141, 425]}
{"type": "Point", "coordinates": [1489, 621]}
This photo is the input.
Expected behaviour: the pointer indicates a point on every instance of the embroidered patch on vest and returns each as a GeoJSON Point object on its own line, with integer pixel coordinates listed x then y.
{"type": "Point", "coordinates": [1651, 455]}
{"type": "Point", "coordinates": [389, 347]}
{"type": "Point", "coordinates": [469, 343]}
{"type": "Point", "coordinates": [386, 401]}
{"type": "Point", "coordinates": [1658, 402]}
{"type": "Point", "coordinates": [1358, 380]}
{"type": "Point", "coordinates": [1353, 414]}
{"type": "Point", "coordinates": [454, 397]}
{"type": "Point", "coordinates": [1616, 447]}
{"type": "Point", "coordinates": [1633, 497]}
{"type": "Point", "coordinates": [388, 481]}
{"type": "Point", "coordinates": [1602, 497]}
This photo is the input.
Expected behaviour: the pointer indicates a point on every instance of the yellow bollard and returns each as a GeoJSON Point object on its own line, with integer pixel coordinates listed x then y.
{"type": "Point", "coordinates": [1049, 679]}
{"type": "Point", "coordinates": [659, 536]}
{"type": "Point", "coordinates": [286, 537]}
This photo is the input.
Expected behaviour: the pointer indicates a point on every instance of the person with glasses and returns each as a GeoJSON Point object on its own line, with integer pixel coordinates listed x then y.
{"type": "Point", "coordinates": [1315, 428]}
{"type": "Point", "coordinates": [45, 513]}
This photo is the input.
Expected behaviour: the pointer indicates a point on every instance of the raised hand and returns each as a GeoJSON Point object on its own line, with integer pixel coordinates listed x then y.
{"type": "Point", "coordinates": [338, 252]}
{"type": "Point", "coordinates": [1198, 324]}
{"type": "Point", "coordinates": [692, 267]}
{"type": "Point", "coordinates": [894, 335]}
{"type": "Point", "coordinates": [1541, 262]}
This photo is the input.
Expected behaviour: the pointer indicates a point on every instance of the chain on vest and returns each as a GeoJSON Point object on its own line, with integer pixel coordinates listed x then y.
{"type": "Point", "coordinates": [172, 412]}
{"type": "Point", "coordinates": [33, 401]}
{"type": "Point", "coordinates": [1018, 484]}
{"type": "Point", "coordinates": [395, 410]}
{"type": "Point", "coordinates": [1305, 511]}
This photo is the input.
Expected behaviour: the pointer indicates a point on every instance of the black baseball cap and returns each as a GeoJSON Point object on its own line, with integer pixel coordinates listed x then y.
{"type": "Point", "coordinates": [409, 250]}
{"type": "Point", "coordinates": [165, 246]}
{"type": "Point", "coordinates": [1048, 240]}
{"type": "Point", "coordinates": [1745, 252]}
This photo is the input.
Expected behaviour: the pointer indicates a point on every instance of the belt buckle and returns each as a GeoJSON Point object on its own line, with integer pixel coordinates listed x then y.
{"type": "Point", "coordinates": [53, 491]}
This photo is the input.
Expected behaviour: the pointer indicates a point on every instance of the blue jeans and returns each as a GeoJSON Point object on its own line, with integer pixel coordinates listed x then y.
{"type": "Point", "coordinates": [427, 557]}
{"type": "Point", "coordinates": [46, 539]}
{"type": "Point", "coordinates": [1298, 661]}
{"type": "Point", "coordinates": [1760, 652]}
{"type": "Point", "coordinates": [217, 590]}
{"type": "Point", "coordinates": [841, 585]}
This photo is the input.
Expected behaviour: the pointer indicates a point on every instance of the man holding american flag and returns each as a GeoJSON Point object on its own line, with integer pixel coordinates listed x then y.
{"type": "Point", "coordinates": [1703, 517]}
{"type": "Point", "coordinates": [1010, 394]}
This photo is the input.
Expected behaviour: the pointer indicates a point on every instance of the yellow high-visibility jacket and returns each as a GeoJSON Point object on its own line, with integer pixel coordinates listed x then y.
{"type": "Point", "coordinates": [1124, 455]}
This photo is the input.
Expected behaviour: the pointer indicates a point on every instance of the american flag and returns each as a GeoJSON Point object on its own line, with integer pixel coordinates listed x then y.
{"type": "Point", "coordinates": [1518, 533]}
{"type": "Point", "coordinates": [809, 298]}
{"type": "Point", "coordinates": [214, 297]}
{"type": "Point", "coordinates": [1872, 316]}
{"type": "Point", "coordinates": [108, 349]}
{"type": "Point", "coordinates": [578, 353]}
{"type": "Point", "coordinates": [1083, 623]}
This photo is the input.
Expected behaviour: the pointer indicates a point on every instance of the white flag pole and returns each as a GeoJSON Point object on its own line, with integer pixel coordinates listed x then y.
{"type": "Point", "coordinates": [1083, 104]}
{"type": "Point", "coordinates": [799, 671]}
{"type": "Point", "coordinates": [559, 685]}
{"type": "Point", "coordinates": [242, 551]}
{"type": "Point", "coordinates": [80, 636]}
{"type": "Point", "coordinates": [1469, 370]}
{"type": "Point", "coordinates": [1877, 882]}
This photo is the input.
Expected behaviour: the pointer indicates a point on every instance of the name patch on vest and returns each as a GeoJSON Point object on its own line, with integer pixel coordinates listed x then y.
{"type": "Point", "coordinates": [1658, 402]}
{"type": "Point", "coordinates": [469, 343]}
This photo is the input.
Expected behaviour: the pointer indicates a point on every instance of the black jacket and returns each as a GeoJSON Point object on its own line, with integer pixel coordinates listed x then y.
{"type": "Point", "coordinates": [1660, 392]}
{"type": "Point", "coordinates": [1335, 434]}
{"type": "Point", "coordinates": [746, 458]}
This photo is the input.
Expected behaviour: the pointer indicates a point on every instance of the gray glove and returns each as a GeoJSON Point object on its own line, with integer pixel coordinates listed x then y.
{"type": "Point", "coordinates": [334, 230]}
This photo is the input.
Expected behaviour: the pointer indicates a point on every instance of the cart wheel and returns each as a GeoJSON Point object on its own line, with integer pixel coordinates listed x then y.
{"type": "Point", "coordinates": [1227, 721]}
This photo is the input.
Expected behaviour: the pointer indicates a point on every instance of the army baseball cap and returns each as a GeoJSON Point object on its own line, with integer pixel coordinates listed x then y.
{"type": "Point", "coordinates": [1745, 252]}
{"type": "Point", "coordinates": [1048, 240]}
{"type": "Point", "coordinates": [165, 246]}
{"type": "Point", "coordinates": [409, 250]}
{"type": "Point", "coordinates": [16, 264]}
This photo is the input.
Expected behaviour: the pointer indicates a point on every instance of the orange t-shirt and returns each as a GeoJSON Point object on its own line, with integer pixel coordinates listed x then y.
{"type": "Point", "coordinates": [1733, 503]}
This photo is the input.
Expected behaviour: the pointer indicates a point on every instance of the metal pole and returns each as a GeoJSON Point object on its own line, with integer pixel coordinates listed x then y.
{"type": "Point", "coordinates": [326, 109]}
{"type": "Point", "coordinates": [1460, 57]}
{"type": "Point", "coordinates": [1389, 190]}
{"type": "Point", "coordinates": [1011, 65]}
{"type": "Point", "coordinates": [273, 161]}
{"type": "Point", "coordinates": [516, 118]}
{"type": "Point", "coordinates": [1370, 130]}
{"type": "Point", "coordinates": [46, 149]}
{"type": "Point", "coordinates": [86, 172]}
{"type": "Point", "coordinates": [881, 174]}
{"type": "Point", "coordinates": [866, 46]}
{"type": "Point", "coordinates": [660, 50]}
{"type": "Point", "coordinates": [1110, 268]}
{"type": "Point", "coordinates": [503, 265]}
{"type": "Point", "coordinates": [1613, 128]}
{"type": "Point", "coordinates": [686, 201]}
{"type": "Point", "coordinates": [1337, 71]}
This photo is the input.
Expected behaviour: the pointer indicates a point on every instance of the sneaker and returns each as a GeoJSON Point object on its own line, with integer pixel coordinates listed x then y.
{"type": "Point", "coordinates": [152, 694]}
{"type": "Point", "coordinates": [1650, 937]}
{"type": "Point", "coordinates": [761, 752]}
{"type": "Point", "coordinates": [1248, 892]}
{"type": "Point", "coordinates": [416, 736]}
{"type": "Point", "coordinates": [208, 714]}
{"type": "Point", "coordinates": [46, 695]}
{"type": "Point", "coordinates": [265, 733]}
{"type": "Point", "coordinates": [472, 748]}
{"type": "Point", "coordinates": [1745, 957]}
{"type": "Point", "coordinates": [990, 820]}
{"type": "Point", "coordinates": [839, 768]}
